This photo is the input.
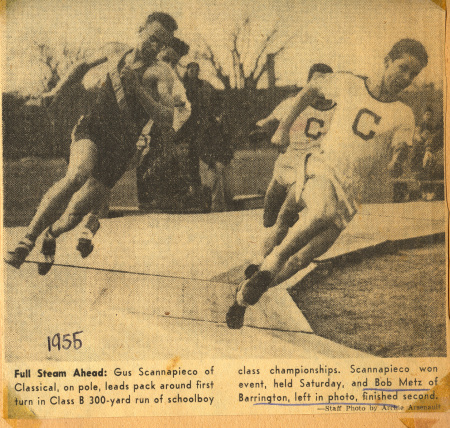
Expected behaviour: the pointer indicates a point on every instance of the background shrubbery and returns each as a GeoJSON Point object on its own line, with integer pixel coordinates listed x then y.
{"type": "Point", "coordinates": [28, 129]}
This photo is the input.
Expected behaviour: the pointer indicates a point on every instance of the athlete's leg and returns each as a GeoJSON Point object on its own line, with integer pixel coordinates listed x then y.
{"type": "Point", "coordinates": [317, 246]}
{"type": "Point", "coordinates": [276, 224]}
{"type": "Point", "coordinates": [83, 156]}
{"type": "Point", "coordinates": [82, 161]}
{"type": "Point", "coordinates": [313, 249]}
{"type": "Point", "coordinates": [319, 214]}
{"type": "Point", "coordinates": [90, 198]}
{"type": "Point", "coordinates": [273, 200]}
{"type": "Point", "coordinates": [287, 215]}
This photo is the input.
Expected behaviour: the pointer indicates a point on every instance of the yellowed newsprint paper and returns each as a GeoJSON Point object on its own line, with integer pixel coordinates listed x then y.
{"type": "Point", "coordinates": [224, 212]}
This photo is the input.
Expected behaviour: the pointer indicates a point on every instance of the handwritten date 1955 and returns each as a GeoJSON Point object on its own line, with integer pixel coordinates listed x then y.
{"type": "Point", "coordinates": [66, 342]}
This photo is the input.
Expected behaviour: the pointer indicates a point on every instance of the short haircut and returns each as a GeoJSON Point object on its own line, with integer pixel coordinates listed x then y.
{"type": "Point", "coordinates": [193, 64]}
{"type": "Point", "coordinates": [319, 68]}
{"type": "Point", "coordinates": [181, 48]}
{"type": "Point", "coordinates": [411, 47]}
{"type": "Point", "coordinates": [166, 20]}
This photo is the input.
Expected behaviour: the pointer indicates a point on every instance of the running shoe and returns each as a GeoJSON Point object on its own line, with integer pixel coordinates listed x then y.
{"type": "Point", "coordinates": [48, 250]}
{"type": "Point", "coordinates": [250, 270]}
{"type": "Point", "coordinates": [251, 290]}
{"type": "Point", "coordinates": [17, 257]}
{"type": "Point", "coordinates": [85, 247]}
{"type": "Point", "coordinates": [235, 316]}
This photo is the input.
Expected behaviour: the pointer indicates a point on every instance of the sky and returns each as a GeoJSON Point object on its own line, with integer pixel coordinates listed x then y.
{"type": "Point", "coordinates": [351, 35]}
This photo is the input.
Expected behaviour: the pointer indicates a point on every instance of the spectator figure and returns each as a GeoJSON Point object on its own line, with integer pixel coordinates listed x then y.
{"type": "Point", "coordinates": [422, 137]}
{"type": "Point", "coordinates": [209, 144]}
{"type": "Point", "coordinates": [427, 158]}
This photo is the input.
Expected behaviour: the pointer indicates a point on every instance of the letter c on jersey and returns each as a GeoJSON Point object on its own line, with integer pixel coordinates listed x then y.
{"type": "Point", "coordinates": [376, 120]}
{"type": "Point", "coordinates": [308, 125]}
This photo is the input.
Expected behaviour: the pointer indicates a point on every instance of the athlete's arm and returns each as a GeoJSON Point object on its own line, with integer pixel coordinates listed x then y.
{"type": "Point", "coordinates": [164, 107]}
{"type": "Point", "coordinates": [160, 112]}
{"type": "Point", "coordinates": [264, 124]}
{"type": "Point", "coordinates": [307, 96]}
{"type": "Point", "coordinates": [163, 114]}
{"type": "Point", "coordinates": [74, 75]}
{"type": "Point", "coordinates": [162, 76]}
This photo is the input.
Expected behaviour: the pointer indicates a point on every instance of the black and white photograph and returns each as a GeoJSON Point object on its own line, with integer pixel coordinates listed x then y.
{"type": "Point", "coordinates": [190, 180]}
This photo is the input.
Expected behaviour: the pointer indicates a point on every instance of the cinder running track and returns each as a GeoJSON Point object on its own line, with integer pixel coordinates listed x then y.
{"type": "Point", "coordinates": [159, 285]}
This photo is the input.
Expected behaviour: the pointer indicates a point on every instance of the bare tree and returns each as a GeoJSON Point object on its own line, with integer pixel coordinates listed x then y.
{"type": "Point", "coordinates": [47, 57]}
{"type": "Point", "coordinates": [56, 62]}
{"type": "Point", "coordinates": [208, 55]}
{"type": "Point", "coordinates": [248, 61]}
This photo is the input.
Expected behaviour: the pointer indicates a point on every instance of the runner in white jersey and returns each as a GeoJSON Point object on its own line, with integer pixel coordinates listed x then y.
{"type": "Point", "coordinates": [305, 136]}
{"type": "Point", "coordinates": [364, 133]}
{"type": "Point", "coordinates": [306, 132]}
{"type": "Point", "coordinates": [368, 128]}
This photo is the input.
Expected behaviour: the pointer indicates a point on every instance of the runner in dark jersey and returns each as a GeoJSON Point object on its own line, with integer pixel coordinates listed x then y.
{"type": "Point", "coordinates": [103, 142]}
{"type": "Point", "coordinates": [115, 143]}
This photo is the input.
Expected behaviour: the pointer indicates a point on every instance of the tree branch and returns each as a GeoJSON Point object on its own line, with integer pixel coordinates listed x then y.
{"type": "Point", "coordinates": [218, 69]}
{"type": "Point", "coordinates": [264, 67]}
{"type": "Point", "coordinates": [263, 49]}
{"type": "Point", "coordinates": [238, 65]}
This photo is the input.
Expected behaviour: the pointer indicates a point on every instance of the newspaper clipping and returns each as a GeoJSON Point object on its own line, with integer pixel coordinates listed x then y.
{"type": "Point", "coordinates": [224, 208]}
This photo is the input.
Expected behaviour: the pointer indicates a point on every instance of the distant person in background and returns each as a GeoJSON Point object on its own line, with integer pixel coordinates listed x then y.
{"type": "Point", "coordinates": [215, 157]}
{"type": "Point", "coordinates": [209, 143]}
{"type": "Point", "coordinates": [427, 157]}
{"type": "Point", "coordinates": [422, 137]}
{"type": "Point", "coordinates": [433, 160]}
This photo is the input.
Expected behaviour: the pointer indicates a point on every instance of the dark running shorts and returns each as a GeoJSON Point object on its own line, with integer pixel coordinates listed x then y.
{"type": "Point", "coordinates": [113, 153]}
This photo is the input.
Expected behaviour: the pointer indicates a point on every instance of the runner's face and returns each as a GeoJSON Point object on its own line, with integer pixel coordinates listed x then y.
{"type": "Point", "coordinates": [317, 75]}
{"type": "Point", "coordinates": [193, 72]}
{"type": "Point", "coordinates": [400, 73]}
{"type": "Point", "coordinates": [152, 39]}
{"type": "Point", "coordinates": [169, 56]}
{"type": "Point", "coordinates": [320, 102]}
